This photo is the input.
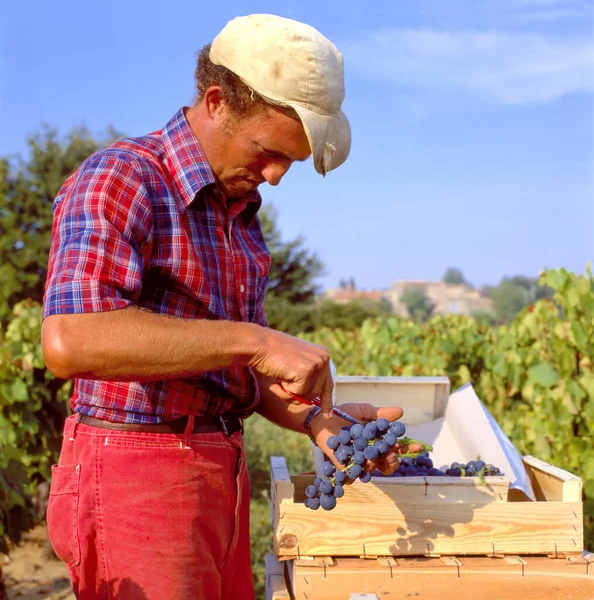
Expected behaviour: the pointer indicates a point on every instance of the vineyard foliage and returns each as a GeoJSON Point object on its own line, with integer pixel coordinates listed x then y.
{"type": "Point", "coordinates": [535, 375]}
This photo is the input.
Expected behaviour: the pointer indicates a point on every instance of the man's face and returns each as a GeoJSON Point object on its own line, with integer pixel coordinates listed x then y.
{"type": "Point", "coordinates": [256, 149]}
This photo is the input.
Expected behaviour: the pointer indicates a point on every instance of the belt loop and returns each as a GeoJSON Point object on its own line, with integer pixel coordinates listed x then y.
{"type": "Point", "coordinates": [188, 431]}
{"type": "Point", "coordinates": [76, 422]}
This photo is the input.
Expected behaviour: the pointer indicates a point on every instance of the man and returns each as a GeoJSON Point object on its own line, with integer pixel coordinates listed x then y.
{"type": "Point", "coordinates": [154, 306]}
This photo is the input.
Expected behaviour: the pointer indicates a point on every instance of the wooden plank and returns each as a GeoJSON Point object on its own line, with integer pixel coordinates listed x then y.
{"type": "Point", "coordinates": [282, 486]}
{"type": "Point", "coordinates": [276, 588]}
{"type": "Point", "coordinates": [426, 528]}
{"type": "Point", "coordinates": [529, 578]}
{"type": "Point", "coordinates": [552, 483]}
{"type": "Point", "coordinates": [390, 490]}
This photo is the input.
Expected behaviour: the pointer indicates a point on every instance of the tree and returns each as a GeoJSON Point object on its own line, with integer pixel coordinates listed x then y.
{"type": "Point", "coordinates": [418, 304]}
{"type": "Point", "coordinates": [292, 286]}
{"type": "Point", "coordinates": [454, 276]}
{"type": "Point", "coordinates": [514, 293]}
{"type": "Point", "coordinates": [293, 268]}
{"type": "Point", "coordinates": [27, 192]}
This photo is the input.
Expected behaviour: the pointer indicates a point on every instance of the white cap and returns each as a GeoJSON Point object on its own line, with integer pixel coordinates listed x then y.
{"type": "Point", "coordinates": [291, 64]}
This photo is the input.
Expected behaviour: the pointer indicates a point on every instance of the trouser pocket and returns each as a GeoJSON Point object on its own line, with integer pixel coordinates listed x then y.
{"type": "Point", "coordinates": [62, 513]}
{"type": "Point", "coordinates": [240, 473]}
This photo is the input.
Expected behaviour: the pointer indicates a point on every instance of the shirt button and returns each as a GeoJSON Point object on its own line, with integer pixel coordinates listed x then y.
{"type": "Point", "coordinates": [241, 288]}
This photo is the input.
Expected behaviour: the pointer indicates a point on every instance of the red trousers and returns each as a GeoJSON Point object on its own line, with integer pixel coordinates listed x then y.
{"type": "Point", "coordinates": [152, 516]}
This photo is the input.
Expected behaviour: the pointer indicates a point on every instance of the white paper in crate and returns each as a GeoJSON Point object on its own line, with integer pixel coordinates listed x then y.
{"type": "Point", "coordinates": [468, 430]}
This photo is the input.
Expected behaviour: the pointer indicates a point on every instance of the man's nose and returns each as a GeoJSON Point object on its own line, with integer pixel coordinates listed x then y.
{"type": "Point", "coordinates": [274, 172]}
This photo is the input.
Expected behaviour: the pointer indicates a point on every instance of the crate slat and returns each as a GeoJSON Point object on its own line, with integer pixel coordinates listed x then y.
{"type": "Point", "coordinates": [526, 578]}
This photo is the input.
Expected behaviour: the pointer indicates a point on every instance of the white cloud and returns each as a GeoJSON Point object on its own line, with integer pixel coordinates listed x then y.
{"type": "Point", "coordinates": [512, 68]}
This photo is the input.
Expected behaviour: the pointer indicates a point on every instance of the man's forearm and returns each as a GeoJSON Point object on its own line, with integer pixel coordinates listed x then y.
{"type": "Point", "coordinates": [278, 407]}
{"type": "Point", "coordinates": [136, 345]}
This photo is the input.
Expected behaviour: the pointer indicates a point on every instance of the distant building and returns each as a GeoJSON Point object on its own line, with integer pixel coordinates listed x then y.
{"type": "Point", "coordinates": [344, 295]}
{"type": "Point", "coordinates": [447, 298]}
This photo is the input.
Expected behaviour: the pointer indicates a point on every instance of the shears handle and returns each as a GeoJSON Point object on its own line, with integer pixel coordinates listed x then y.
{"type": "Point", "coordinates": [317, 402]}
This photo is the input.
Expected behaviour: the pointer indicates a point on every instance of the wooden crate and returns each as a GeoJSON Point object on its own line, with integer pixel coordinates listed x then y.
{"type": "Point", "coordinates": [431, 516]}
{"type": "Point", "coordinates": [466, 578]}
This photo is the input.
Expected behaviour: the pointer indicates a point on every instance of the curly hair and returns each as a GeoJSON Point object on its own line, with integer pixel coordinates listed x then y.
{"type": "Point", "coordinates": [240, 98]}
{"type": "Point", "coordinates": [237, 95]}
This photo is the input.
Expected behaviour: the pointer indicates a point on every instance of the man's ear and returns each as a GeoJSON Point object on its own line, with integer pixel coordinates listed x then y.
{"type": "Point", "coordinates": [214, 103]}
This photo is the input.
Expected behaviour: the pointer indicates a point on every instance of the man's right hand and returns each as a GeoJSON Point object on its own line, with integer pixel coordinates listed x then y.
{"type": "Point", "coordinates": [302, 367]}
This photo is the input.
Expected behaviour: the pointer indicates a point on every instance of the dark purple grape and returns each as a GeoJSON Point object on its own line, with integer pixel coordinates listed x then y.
{"type": "Point", "coordinates": [317, 481]}
{"type": "Point", "coordinates": [333, 442]}
{"type": "Point", "coordinates": [314, 503]}
{"type": "Point", "coordinates": [370, 431]}
{"type": "Point", "coordinates": [433, 472]}
{"type": "Point", "coordinates": [338, 491]}
{"type": "Point", "coordinates": [382, 424]}
{"type": "Point", "coordinates": [327, 502]}
{"type": "Point", "coordinates": [381, 446]}
{"type": "Point", "coordinates": [390, 439]}
{"type": "Point", "coordinates": [326, 487]}
{"type": "Point", "coordinates": [398, 428]}
{"type": "Point", "coordinates": [424, 461]}
{"type": "Point", "coordinates": [356, 430]}
{"type": "Point", "coordinates": [454, 472]}
{"type": "Point", "coordinates": [328, 469]}
{"type": "Point", "coordinates": [311, 491]}
{"type": "Point", "coordinates": [370, 453]}
{"type": "Point", "coordinates": [339, 476]}
{"type": "Point", "coordinates": [360, 443]}
{"type": "Point", "coordinates": [344, 436]}
{"type": "Point", "coordinates": [359, 457]}
{"type": "Point", "coordinates": [354, 472]}
{"type": "Point", "coordinates": [341, 455]}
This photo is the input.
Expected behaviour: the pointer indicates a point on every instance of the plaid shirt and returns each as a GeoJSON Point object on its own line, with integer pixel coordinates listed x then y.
{"type": "Point", "coordinates": [141, 224]}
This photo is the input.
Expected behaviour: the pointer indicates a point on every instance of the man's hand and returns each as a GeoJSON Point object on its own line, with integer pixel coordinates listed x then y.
{"type": "Point", "coordinates": [302, 367]}
{"type": "Point", "coordinates": [322, 430]}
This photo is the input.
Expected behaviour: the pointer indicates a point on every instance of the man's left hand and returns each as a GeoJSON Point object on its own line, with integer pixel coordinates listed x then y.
{"type": "Point", "coordinates": [322, 429]}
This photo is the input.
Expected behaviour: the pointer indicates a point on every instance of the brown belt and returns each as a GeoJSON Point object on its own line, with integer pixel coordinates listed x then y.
{"type": "Point", "coordinates": [228, 424]}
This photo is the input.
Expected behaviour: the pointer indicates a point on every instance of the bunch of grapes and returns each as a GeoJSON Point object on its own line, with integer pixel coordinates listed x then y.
{"type": "Point", "coordinates": [352, 447]}
{"type": "Point", "coordinates": [422, 466]}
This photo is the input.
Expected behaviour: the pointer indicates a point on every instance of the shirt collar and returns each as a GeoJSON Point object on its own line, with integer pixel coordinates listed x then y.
{"type": "Point", "coordinates": [185, 159]}
{"type": "Point", "coordinates": [189, 168]}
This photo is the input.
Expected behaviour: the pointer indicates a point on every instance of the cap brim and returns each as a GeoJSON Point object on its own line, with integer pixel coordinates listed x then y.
{"type": "Point", "coordinates": [329, 137]}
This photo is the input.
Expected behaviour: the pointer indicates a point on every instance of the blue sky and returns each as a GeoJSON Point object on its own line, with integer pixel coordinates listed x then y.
{"type": "Point", "coordinates": [473, 122]}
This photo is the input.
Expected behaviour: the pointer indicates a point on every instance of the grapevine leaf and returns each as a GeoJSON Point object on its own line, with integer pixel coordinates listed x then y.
{"type": "Point", "coordinates": [543, 374]}
{"type": "Point", "coordinates": [18, 391]}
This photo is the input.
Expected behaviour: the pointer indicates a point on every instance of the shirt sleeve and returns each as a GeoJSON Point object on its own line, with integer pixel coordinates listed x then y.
{"type": "Point", "coordinates": [102, 227]}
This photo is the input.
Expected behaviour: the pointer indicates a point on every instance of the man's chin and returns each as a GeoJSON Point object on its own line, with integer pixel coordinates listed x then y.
{"type": "Point", "coordinates": [235, 189]}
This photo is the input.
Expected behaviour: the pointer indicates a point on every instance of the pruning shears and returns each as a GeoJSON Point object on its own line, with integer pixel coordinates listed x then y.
{"type": "Point", "coordinates": [317, 402]}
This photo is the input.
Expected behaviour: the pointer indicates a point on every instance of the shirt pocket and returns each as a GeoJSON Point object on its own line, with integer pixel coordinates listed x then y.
{"type": "Point", "coordinates": [62, 513]}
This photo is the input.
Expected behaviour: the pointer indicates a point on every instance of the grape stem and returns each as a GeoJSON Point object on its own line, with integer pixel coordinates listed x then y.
{"type": "Point", "coordinates": [406, 441]}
